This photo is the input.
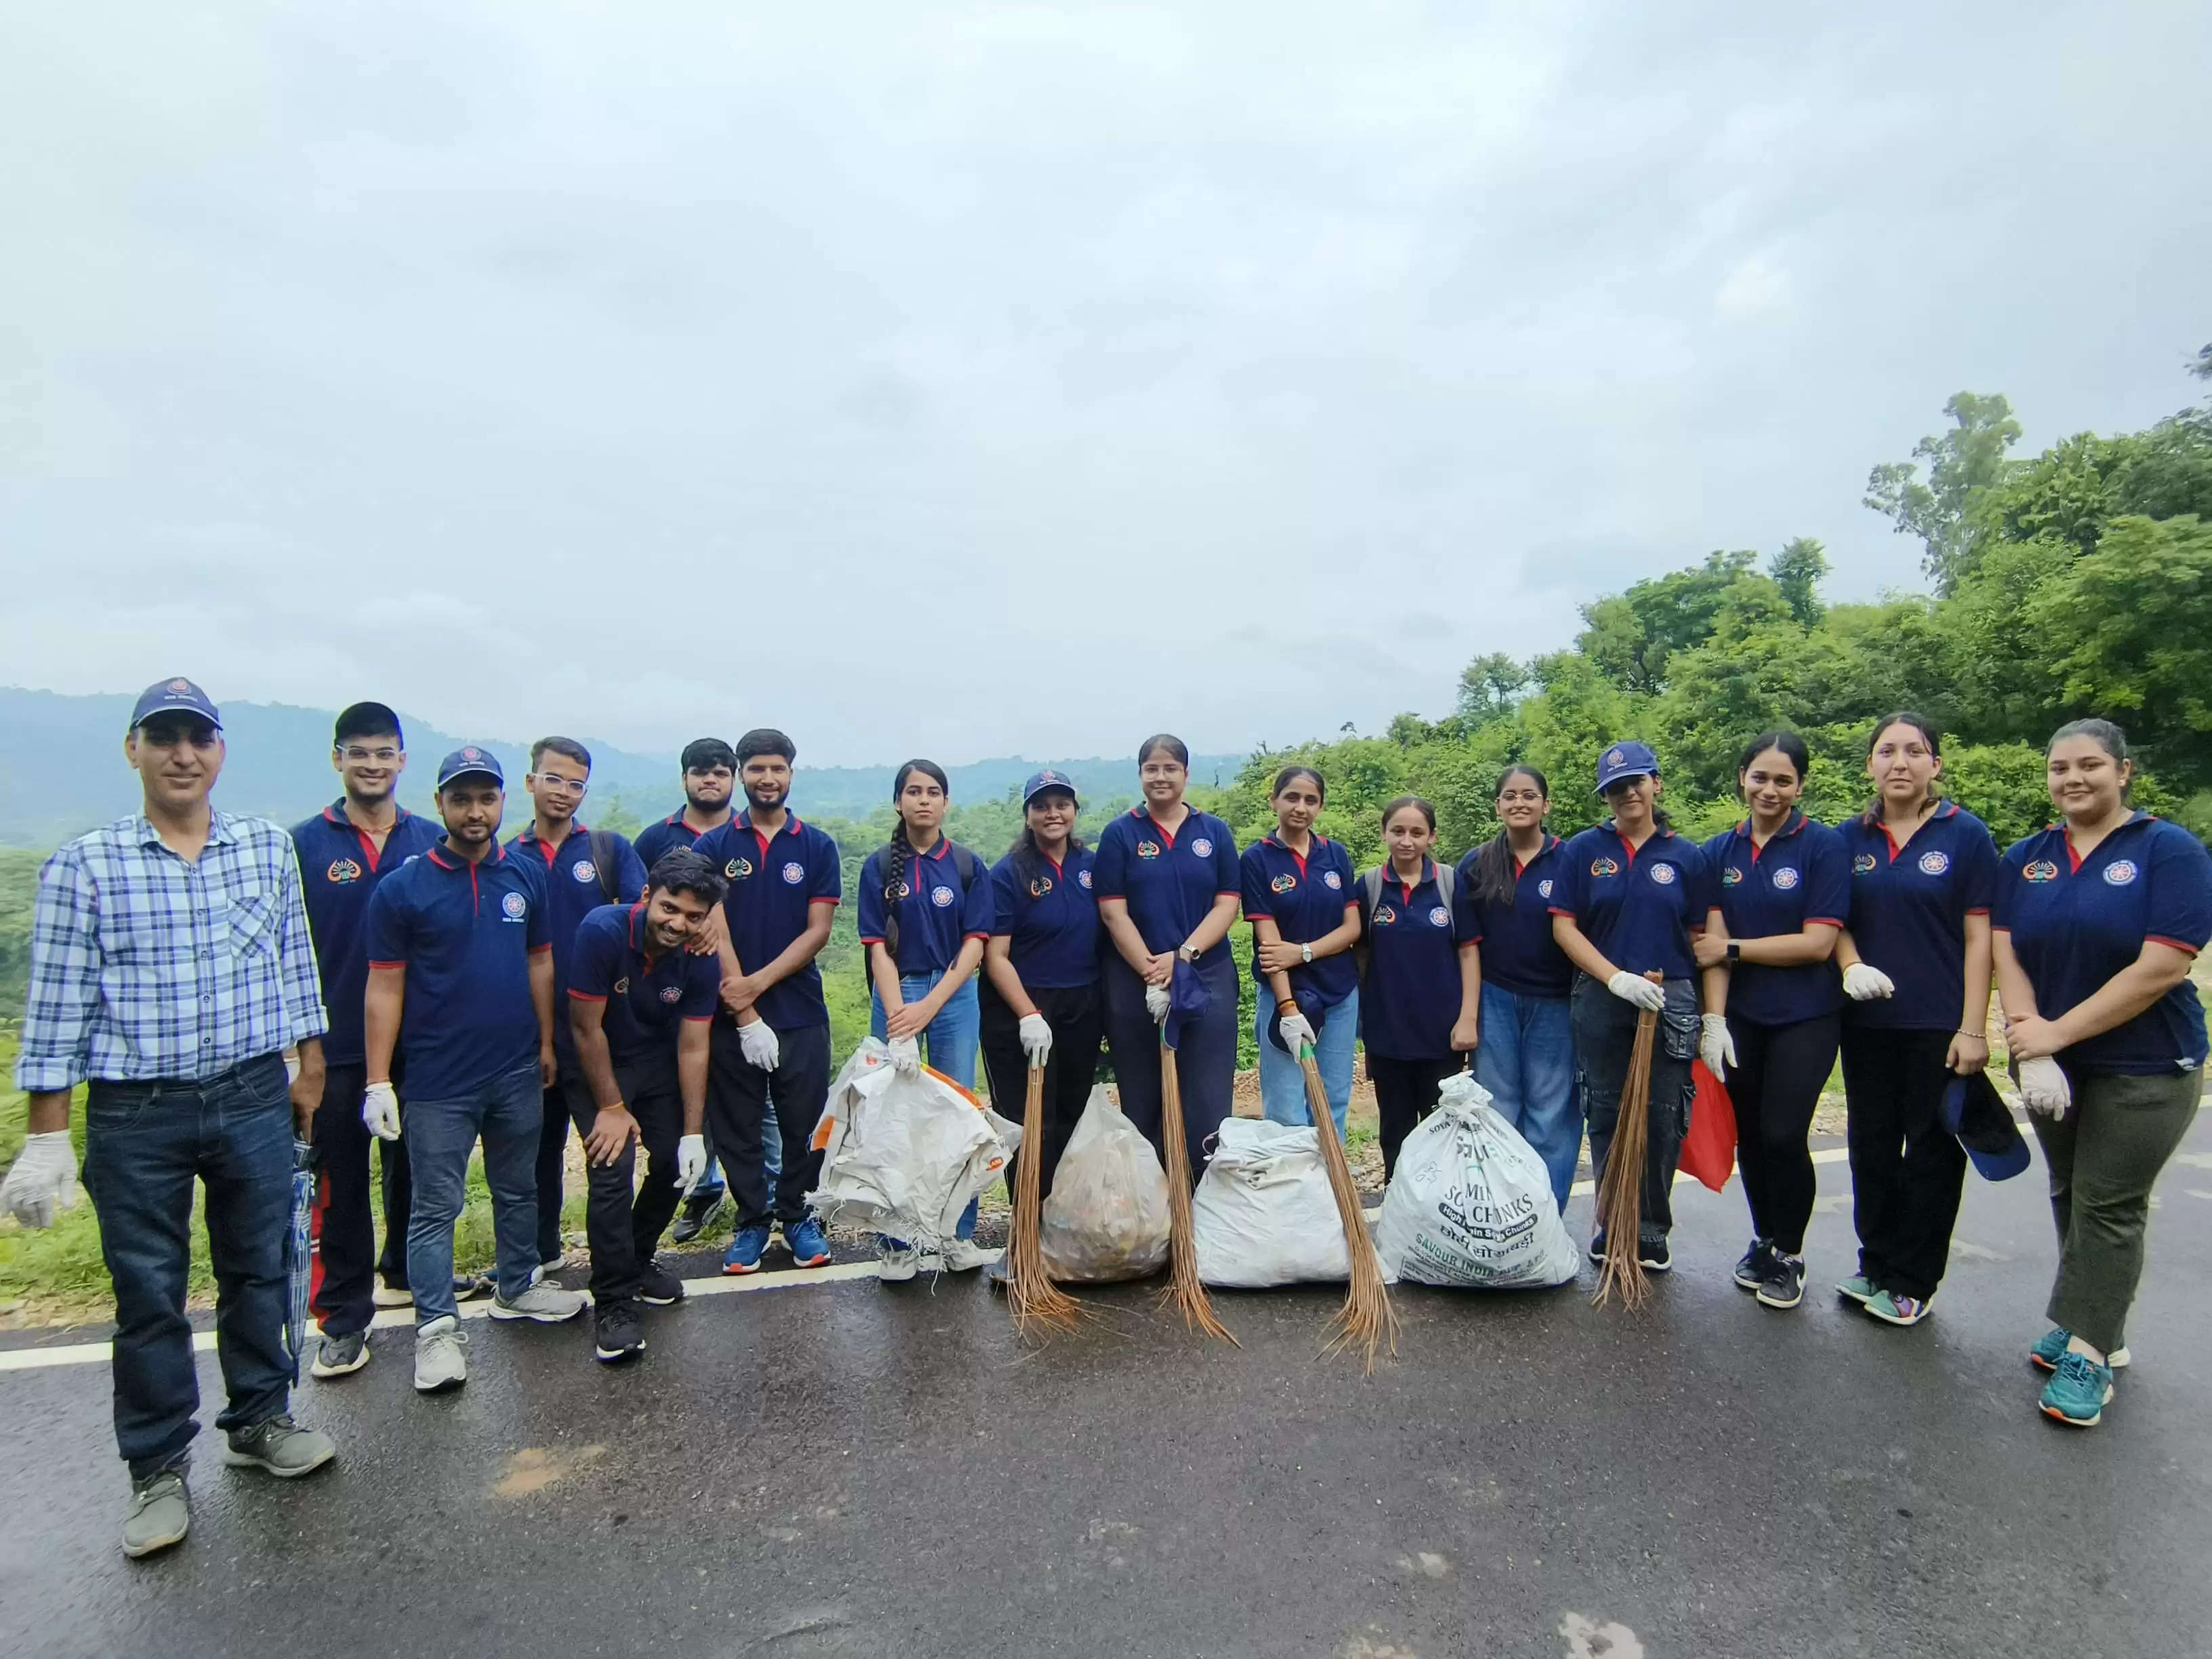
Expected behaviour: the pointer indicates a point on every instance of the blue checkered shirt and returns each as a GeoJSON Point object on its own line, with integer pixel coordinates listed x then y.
{"type": "Point", "coordinates": [146, 966]}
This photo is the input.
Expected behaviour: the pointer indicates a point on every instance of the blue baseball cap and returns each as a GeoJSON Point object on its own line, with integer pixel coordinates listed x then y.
{"type": "Point", "coordinates": [1047, 779]}
{"type": "Point", "coordinates": [177, 696]}
{"type": "Point", "coordinates": [471, 762]}
{"type": "Point", "coordinates": [1626, 760]}
{"type": "Point", "coordinates": [1974, 1111]}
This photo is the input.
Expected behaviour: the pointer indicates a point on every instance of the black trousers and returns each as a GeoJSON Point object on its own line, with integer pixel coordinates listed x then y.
{"type": "Point", "coordinates": [1404, 1093]}
{"type": "Point", "coordinates": [1205, 1063]}
{"type": "Point", "coordinates": [1077, 1018]}
{"type": "Point", "coordinates": [624, 1217]}
{"type": "Point", "coordinates": [1779, 1073]}
{"type": "Point", "coordinates": [343, 1300]}
{"type": "Point", "coordinates": [1906, 1174]}
{"type": "Point", "coordinates": [552, 1151]}
{"type": "Point", "coordinates": [1605, 1035]}
{"type": "Point", "coordinates": [738, 1096]}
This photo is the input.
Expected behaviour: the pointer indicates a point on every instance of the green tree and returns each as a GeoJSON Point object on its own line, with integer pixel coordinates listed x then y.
{"type": "Point", "coordinates": [1968, 458]}
{"type": "Point", "coordinates": [1798, 570]}
{"type": "Point", "coordinates": [1490, 688]}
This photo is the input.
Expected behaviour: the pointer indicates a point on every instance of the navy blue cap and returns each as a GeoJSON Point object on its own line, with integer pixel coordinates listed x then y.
{"type": "Point", "coordinates": [1626, 760]}
{"type": "Point", "coordinates": [471, 762]}
{"type": "Point", "coordinates": [177, 696]}
{"type": "Point", "coordinates": [1047, 779]}
{"type": "Point", "coordinates": [1974, 1111]}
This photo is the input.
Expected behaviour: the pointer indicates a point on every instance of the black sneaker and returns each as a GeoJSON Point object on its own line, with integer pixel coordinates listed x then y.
{"type": "Point", "coordinates": [615, 1335]}
{"type": "Point", "coordinates": [1751, 1271]}
{"type": "Point", "coordinates": [657, 1287]}
{"type": "Point", "coordinates": [1785, 1283]}
{"type": "Point", "coordinates": [697, 1212]}
{"type": "Point", "coordinates": [1653, 1255]}
{"type": "Point", "coordinates": [1597, 1248]}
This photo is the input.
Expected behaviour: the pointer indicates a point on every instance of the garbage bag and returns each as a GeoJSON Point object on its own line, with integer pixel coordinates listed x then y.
{"type": "Point", "coordinates": [1263, 1214]}
{"type": "Point", "coordinates": [1108, 1215]}
{"type": "Point", "coordinates": [903, 1154]}
{"type": "Point", "coordinates": [1471, 1203]}
{"type": "Point", "coordinates": [1708, 1149]}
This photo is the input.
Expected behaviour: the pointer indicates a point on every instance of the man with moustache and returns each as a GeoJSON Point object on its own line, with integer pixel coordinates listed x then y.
{"type": "Point", "coordinates": [345, 852]}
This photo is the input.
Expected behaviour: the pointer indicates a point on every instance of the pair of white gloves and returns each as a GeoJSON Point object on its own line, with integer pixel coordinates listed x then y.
{"type": "Point", "coordinates": [1715, 1046]}
{"type": "Point", "coordinates": [1035, 1038]}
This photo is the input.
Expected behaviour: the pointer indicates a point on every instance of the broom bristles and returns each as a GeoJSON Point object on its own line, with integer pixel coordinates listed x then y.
{"type": "Point", "coordinates": [1620, 1189]}
{"type": "Point", "coordinates": [1366, 1321]}
{"type": "Point", "coordinates": [1183, 1290]}
{"type": "Point", "coordinates": [1039, 1306]}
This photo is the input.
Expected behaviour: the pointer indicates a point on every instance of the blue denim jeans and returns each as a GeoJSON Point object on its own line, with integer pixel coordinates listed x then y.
{"type": "Point", "coordinates": [144, 1145]}
{"type": "Point", "coordinates": [507, 1112]}
{"type": "Point", "coordinates": [948, 1045]}
{"type": "Point", "coordinates": [1283, 1080]}
{"type": "Point", "coordinates": [1527, 1062]}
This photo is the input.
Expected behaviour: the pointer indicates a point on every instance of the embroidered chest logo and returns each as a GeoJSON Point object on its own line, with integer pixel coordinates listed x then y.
{"type": "Point", "coordinates": [1934, 864]}
{"type": "Point", "coordinates": [1284, 883]}
{"type": "Point", "coordinates": [1333, 880]}
{"type": "Point", "coordinates": [941, 897]}
{"type": "Point", "coordinates": [1863, 865]}
{"type": "Point", "coordinates": [621, 986]}
{"type": "Point", "coordinates": [1384, 915]}
{"type": "Point", "coordinates": [1785, 879]}
{"type": "Point", "coordinates": [671, 993]}
{"type": "Point", "coordinates": [1202, 847]}
{"type": "Point", "coordinates": [1603, 867]}
{"type": "Point", "coordinates": [344, 870]}
{"type": "Point", "coordinates": [584, 871]}
{"type": "Point", "coordinates": [737, 869]}
{"type": "Point", "coordinates": [2039, 871]}
{"type": "Point", "coordinates": [1731, 875]}
{"type": "Point", "coordinates": [514, 907]}
{"type": "Point", "coordinates": [1039, 886]}
{"type": "Point", "coordinates": [1664, 874]}
{"type": "Point", "coordinates": [794, 873]}
{"type": "Point", "coordinates": [1148, 849]}
{"type": "Point", "coordinates": [2119, 872]}
{"type": "Point", "coordinates": [1544, 888]}
{"type": "Point", "coordinates": [1083, 879]}
{"type": "Point", "coordinates": [1439, 917]}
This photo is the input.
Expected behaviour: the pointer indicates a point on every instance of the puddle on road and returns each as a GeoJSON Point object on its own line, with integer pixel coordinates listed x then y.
{"type": "Point", "coordinates": [1588, 1639]}
{"type": "Point", "coordinates": [533, 1468]}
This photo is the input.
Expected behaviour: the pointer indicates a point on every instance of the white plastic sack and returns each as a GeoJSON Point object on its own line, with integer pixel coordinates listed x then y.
{"type": "Point", "coordinates": [1471, 1203]}
{"type": "Point", "coordinates": [1108, 1215]}
{"type": "Point", "coordinates": [1263, 1214]}
{"type": "Point", "coordinates": [904, 1155]}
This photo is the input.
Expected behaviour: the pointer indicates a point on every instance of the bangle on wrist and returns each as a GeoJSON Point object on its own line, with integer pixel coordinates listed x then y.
{"type": "Point", "coordinates": [1287, 1005]}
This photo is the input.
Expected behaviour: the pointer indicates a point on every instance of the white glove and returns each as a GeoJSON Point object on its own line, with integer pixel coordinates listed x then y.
{"type": "Point", "coordinates": [1715, 1046]}
{"type": "Point", "coordinates": [1295, 1029]}
{"type": "Point", "coordinates": [380, 1110]}
{"type": "Point", "coordinates": [690, 1162]}
{"type": "Point", "coordinates": [1634, 989]}
{"type": "Point", "coordinates": [2043, 1089]}
{"type": "Point", "coordinates": [1037, 1038]}
{"type": "Point", "coordinates": [1865, 984]}
{"type": "Point", "coordinates": [45, 1175]}
{"type": "Point", "coordinates": [1156, 1002]}
{"type": "Point", "coordinates": [905, 1053]}
{"type": "Point", "coordinates": [757, 1042]}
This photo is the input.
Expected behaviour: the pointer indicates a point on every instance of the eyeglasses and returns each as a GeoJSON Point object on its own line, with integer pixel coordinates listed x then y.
{"type": "Point", "coordinates": [381, 756]}
{"type": "Point", "coordinates": [555, 783]}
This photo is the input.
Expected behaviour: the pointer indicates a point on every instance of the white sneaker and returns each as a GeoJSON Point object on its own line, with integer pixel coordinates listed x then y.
{"type": "Point", "coordinates": [545, 1302]}
{"type": "Point", "coordinates": [438, 1362]}
{"type": "Point", "coordinates": [964, 1255]}
{"type": "Point", "coordinates": [384, 1296]}
{"type": "Point", "coordinates": [896, 1267]}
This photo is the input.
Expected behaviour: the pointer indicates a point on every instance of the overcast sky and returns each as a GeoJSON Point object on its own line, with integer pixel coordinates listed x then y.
{"type": "Point", "coordinates": [1011, 379]}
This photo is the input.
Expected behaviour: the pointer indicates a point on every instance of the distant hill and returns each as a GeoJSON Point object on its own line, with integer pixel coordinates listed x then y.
{"type": "Point", "coordinates": [61, 769]}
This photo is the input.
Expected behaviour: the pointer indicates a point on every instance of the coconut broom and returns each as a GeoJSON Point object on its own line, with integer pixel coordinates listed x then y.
{"type": "Point", "coordinates": [1040, 1307]}
{"type": "Point", "coordinates": [1183, 1292]}
{"type": "Point", "coordinates": [1367, 1319]}
{"type": "Point", "coordinates": [1620, 1191]}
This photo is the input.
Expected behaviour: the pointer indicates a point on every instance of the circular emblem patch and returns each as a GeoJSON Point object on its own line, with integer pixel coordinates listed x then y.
{"type": "Point", "coordinates": [794, 873]}
{"type": "Point", "coordinates": [1934, 864]}
{"type": "Point", "coordinates": [1785, 879]}
{"type": "Point", "coordinates": [1284, 883]}
{"type": "Point", "coordinates": [1544, 888]}
{"type": "Point", "coordinates": [1148, 849]}
{"type": "Point", "coordinates": [2119, 872]}
{"type": "Point", "coordinates": [2040, 870]}
{"type": "Point", "coordinates": [671, 993]}
{"type": "Point", "coordinates": [1731, 875]}
{"type": "Point", "coordinates": [344, 870]}
{"type": "Point", "coordinates": [1440, 917]}
{"type": "Point", "coordinates": [1384, 915]}
{"type": "Point", "coordinates": [1332, 879]}
{"type": "Point", "coordinates": [1664, 874]}
{"type": "Point", "coordinates": [584, 871]}
{"type": "Point", "coordinates": [941, 897]}
{"type": "Point", "coordinates": [1862, 864]}
{"type": "Point", "coordinates": [1083, 879]}
{"type": "Point", "coordinates": [1202, 847]}
{"type": "Point", "coordinates": [515, 905]}
{"type": "Point", "coordinates": [1604, 867]}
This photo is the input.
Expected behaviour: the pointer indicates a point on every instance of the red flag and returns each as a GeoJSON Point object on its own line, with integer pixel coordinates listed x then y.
{"type": "Point", "coordinates": [1709, 1150]}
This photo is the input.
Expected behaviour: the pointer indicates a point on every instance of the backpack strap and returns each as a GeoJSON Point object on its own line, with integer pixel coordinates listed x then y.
{"type": "Point", "coordinates": [1447, 883]}
{"type": "Point", "coordinates": [967, 864]}
{"type": "Point", "coordinates": [601, 845]}
{"type": "Point", "coordinates": [1371, 884]}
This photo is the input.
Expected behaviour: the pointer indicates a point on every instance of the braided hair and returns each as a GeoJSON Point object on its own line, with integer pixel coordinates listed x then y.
{"type": "Point", "coordinates": [902, 848]}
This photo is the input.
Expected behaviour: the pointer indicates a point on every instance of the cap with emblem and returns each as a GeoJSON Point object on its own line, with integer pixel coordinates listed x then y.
{"type": "Point", "coordinates": [177, 696]}
{"type": "Point", "coordinates": [1047, 779]}
{"type": "Point", "coordinates": [1625, 760]}
{"type": "Point", "coordinates": [468, 763]}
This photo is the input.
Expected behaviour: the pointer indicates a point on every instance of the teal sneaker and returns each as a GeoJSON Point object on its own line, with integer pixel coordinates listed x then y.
{"type": "Point", "coordinates": [1891, 1309]}
{"type": "Point", "coordinates": [2077, 1391]}
{"type": "Point", "coordinates": [1857, 1288]}
{"type": "Point", "coordinates": [2050, 1348]}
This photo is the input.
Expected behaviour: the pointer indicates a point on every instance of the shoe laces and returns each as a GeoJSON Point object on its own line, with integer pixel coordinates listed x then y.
{"type": "Point", "coordinates": [2077, 1368]}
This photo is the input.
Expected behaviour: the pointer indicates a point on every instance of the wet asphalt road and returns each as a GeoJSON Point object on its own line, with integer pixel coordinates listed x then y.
{"type": "Point", "coordinates": [849, 1469]}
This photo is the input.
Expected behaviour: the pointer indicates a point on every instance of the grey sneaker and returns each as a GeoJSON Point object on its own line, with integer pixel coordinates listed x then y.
{"type": "Point", "coordinates": [160, 1515]}
{"type": "Point", "coordinates": [280, 1446]}
{"type": "Point", "coordinates": [438, 1362]}
{"type": "Point", "coordinates": [964, 1255]}
{"type": "Point", "coordinates": [545, 1302]}
{"type": "Point", "coordinates": [896, 1267]}
{"type": "Point", "coordinates": [341, 1356]}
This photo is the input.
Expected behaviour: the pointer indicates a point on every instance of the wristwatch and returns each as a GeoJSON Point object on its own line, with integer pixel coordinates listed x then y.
{"type": "Point", "coordinates": [1187, 953]}
{"type": "Point", "coordinates": [1305, 953]}
{"type": "Point", "coordinates": [1735, 952]}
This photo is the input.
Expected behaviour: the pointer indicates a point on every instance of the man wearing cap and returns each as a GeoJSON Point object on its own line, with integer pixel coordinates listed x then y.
{"type": "Point", "coordinates": [461, 983]}
{"type": "Point", "coordinates": [345, 851]}
{"type": "Point", "coordinates": [171, 967]}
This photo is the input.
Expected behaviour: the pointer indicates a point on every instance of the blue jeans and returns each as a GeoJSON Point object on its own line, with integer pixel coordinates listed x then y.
{"type": "Point", "coordinates": [144, 1144]}
{"type": "Point", "coordinates": [507, 1112]}
{"type": "Point", "coordinates": [948, 1045]}
{"type": "Point", "coordinates": [1527, 1062]}
{"type": "Point", "coordinates": [1283, 1080]}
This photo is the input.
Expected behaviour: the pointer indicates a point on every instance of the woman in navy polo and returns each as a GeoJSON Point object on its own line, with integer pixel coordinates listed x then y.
{"type": "Point", "coordinates": [1168, 886]}
{"type": "Point", "coordinates": [1631, 895]}
{"type": "Point", "coordinates": [1298, 897]}
{"type": "Point", "coordinates": [1420, 1000]}
{"type": "Point", "coordinates": [1784, 883]}
{"type": "Point", "coordinates": [1915, 954]}
{"type": "Point", "coordinates": [1527, 1060]}
{"type": "Point", "coordinates": [1041, 970]}
{"type": "Point", "coordinates": [925, 914]}
{"type": "Point", "coordinates": [2096, 919]}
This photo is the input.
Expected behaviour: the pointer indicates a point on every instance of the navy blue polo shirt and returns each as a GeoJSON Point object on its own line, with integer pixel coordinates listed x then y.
{"type": "Point", "coordinates": [340, 868]}
{"type": "Point", "coordinates": [2075, 922]}
{"type": "Point", "coordinates": [1169, 881]}
{"type": "Point", "coordinates": [1909, 910]}
{"type": "Point", "coordinates": [666, 837]}
{"type": "Point", "coordinates": [465, 932]}
{"type": "Point", "coordinates": [935, 917]}
{"type": "Point", "coordinates": [1637, 907]}
{"type": "Point", "coordinates": [573, 892]}
{"type": "Point", "coordinates": [647, 996]}
{"type": "Point", "coordinates": [1305, 897]}
{"type": "Point", "coordinates": [1801, 876]}
{"type": "Point", "coordinates": [1049, 918]}
{"type": "Point", "coordinates": [1520, 953]}
{"type": "Point", "coordinates": [1410, 999]}
{"type": "Point", "coordinates": [775, 882]}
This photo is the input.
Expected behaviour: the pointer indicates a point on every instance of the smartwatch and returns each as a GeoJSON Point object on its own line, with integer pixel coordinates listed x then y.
{"type": "Point", "coordinates": [1735, 951]}
{"type": "Point", "coordinates": [1305, 953]}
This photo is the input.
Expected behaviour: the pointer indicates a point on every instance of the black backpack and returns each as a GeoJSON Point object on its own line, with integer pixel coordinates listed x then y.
{"type": "Point", "coordinates": [601, 842]}
{"type": "Point", "coordinates": [965, 861]}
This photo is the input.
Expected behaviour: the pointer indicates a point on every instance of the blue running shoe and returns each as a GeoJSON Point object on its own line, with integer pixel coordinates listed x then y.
{"type": "Point", "coordinates": [745, 1252]}
{"type": "Point", "coordinates": [809, 1249]}
{"type": "Point", "coordinates": [2077, 1391]}
{"type": "Point", "coordinates": [2051, 1347]}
